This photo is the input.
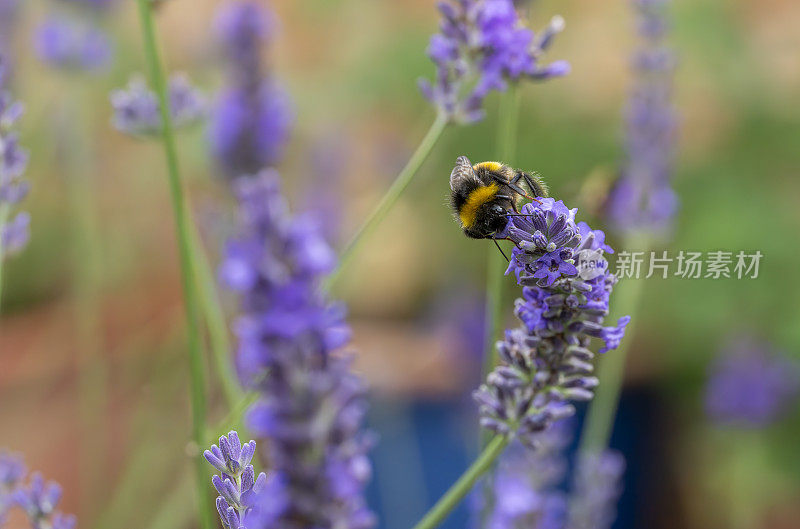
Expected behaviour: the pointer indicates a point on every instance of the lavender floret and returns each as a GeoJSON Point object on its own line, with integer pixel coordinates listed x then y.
{"type": "Point", "coordinates": [311, 407]}
{"type": "Point", "coordinates": [643, 198]}
{"type": "Point", "coordinates": [39, 500]}
{"type": "Point", "coordinates": [12, 472]}
{"type": "Point", "coordinates": [236, 482]}
{"type": "Point", "coordinates": [546, 361]}
{"type": "Point", "coordinates": [136, 110]}
{"type": "Point", "coordinates": [481, 46]}
{"type": "Point", "coordinates": [73, 44]}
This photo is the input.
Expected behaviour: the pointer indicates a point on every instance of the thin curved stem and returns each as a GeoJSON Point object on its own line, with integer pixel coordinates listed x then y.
{"type": "Point", "coordinates": [461, 488]}
{"type": "Point", "coordinates": [190, 297]}
{"type": "Point", "coordinates": [390, 197]}
{"type": "Point", "coordinates": [603, 408]}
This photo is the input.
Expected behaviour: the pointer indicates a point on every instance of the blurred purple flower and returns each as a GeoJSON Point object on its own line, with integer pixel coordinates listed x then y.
{"type": "Point", "coordinates": [72, 44]}
{"type": "Point", "coordinates": [312, 406]}
{"type": "Point", "coordinates": [252, 118]}
{"type": "Point", "coordinates": [136, 109]}
{"type": "Point", "coordinates": [642, 197]}
{"type": "Point", "coordinates": [525, 486]}
{"type": "Point", "coordinates": [596, 490]}
{"type": "Point", "coordinates": [12, 472]}
{"type": "Point", "coordinates": [236, 482]}
{"type": "Point", "coordinates": [39, 501]}
{"type": "Point", "coordinates": [481, 46]}
{"type": "Point", "coordinates": [13, 162]}
{"type": "Point", "coordinates": [546, 362]}
{"type": "Point", "coordinates": [751, 385]}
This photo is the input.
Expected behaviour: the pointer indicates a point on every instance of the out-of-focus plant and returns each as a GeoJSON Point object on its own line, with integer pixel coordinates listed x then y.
{"type": "Point", "coordinates": [37, 499]}
{"type": "Point", "coordinates": [642, 205]}
{"type": "Point", "coordinates": [189, 254]}
{"type": "Point", "coordinates": [14, 231]}
{"type": "Point", "coordinates": [311, 406]}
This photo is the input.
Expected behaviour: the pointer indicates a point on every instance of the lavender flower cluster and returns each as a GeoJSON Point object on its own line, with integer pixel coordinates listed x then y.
{"type": "Point", "coordinates": [529, 489]}
{"type": "Point", "coordinates": [236, 483]}
{"type": "Point", "coordinates": [253, 117]}
{"type": "Point", "coordinates": [14, 231]}
{"type": "Point", "coordinates": [481, 46]}
{"type": "Point", "coordinates": [38, 499]}
{"type": "Point", "coordinates": [311, 406]}
{"type": "Point", "coordinates": [526, 483]}
{"type": "Point", "coordinates": [642, 198]}
{"type": "Point", "coordinates": [596, 490]}
{"type": "Point", "coordinates": [136, 110]}
{"type": "Point", "coordinates": [546, 362]}
{"type": "Point", "coordinates": [751, 385]}
{"type": "Point", "coordinates": [75, 41]}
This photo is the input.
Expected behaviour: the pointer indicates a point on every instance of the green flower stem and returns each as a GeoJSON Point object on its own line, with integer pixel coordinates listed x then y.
{"type": "Point", "coordinates": [611, 370]}
{"type": "Point", "coordinates": [390, 198]}
{"type": "Point", "coordinates": [214, 317]}
{"type": "Point", "coordinates": [496, 265]}
{"type": "Point", "coordinates": [461, 488]}
{"type": "Point", "coordinates": [197, 368]}
{"type": "Point", "coordinates": [5, 210]}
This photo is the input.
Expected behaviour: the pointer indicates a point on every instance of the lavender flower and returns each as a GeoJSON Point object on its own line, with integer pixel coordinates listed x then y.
{"type": "Point", "coordinates": [136, 110]}
{"type": "Point", "coordinates": [236, 483]}
{"type": "Point", "coordinates": [642, 197]}
{"type": "Point", "coordinates": [546, 362]}
{"type": "Point", "coordinates": [72, 44]}
{"type": "Point", "coordinates": [39, 501]}
{"type": "Point", "coordinates": [12, 472]}
{"type": "Point", "coordinates": [596, 490]}
{"type": "Point", "coordinates": [252, 118]}
{"type": "Point", "coordinates": [526, 483]}
{"type": "Point", "coordinates": [751, 385]}
{"type": "Point", "coordinates": [481, 46]}
{"type": "Point", "coordinates": [311, 405]}
{"type": "Point", "coordinates": [13, 162]}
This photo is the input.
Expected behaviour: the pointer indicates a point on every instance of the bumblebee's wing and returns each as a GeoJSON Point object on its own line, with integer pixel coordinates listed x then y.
{"type": "Point", "coordinates": [461, 172]}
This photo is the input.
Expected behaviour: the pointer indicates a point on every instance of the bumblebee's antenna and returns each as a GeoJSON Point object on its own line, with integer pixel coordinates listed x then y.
{"type": "Point", "coordinates": [501, 250]}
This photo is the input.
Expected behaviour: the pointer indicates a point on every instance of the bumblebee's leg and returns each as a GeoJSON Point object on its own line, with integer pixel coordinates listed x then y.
{"type": "Point", "coordinates": [501, 250]}
{"type": "Point", "coordinates": [510, 183]}
{"type": "Point", "coordinates": [534, 185]}
{"type": "Point", "coordinates": [513, 185]}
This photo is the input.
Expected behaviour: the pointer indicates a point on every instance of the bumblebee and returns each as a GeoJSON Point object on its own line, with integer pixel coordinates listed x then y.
{"type": "Point", "coordinates": [484, 195]}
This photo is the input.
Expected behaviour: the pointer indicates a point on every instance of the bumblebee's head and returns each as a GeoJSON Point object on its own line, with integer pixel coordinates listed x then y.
{"type": "Point", "coordinates": [490, 217]}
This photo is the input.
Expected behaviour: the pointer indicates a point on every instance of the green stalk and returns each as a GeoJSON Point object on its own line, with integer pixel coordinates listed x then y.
{"type": "Point", "coordinates": [603, 408]}
{"type": "Point", "coordinates": [219, 340]}
{"type": "Point", "coordinates": [190, 297]}
{"type": "Point", "coordinates": [87, 274]}
{"type": "Point", "coordinates": [461, 488]}
{"type": "Point", "coordinates": [390, 198]}
{"type": "Point", "coordinates": [5, 210]}
{"type": "Point", "coordinates": [496, 265]}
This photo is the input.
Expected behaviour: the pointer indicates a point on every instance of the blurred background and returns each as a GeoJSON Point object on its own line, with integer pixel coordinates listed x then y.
{"type": "Point", "coordinates": [415, 290]}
